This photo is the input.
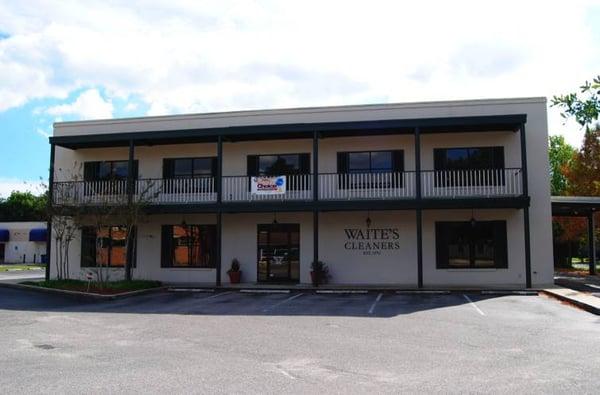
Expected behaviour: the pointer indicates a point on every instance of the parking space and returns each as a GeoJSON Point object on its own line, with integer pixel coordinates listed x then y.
{"type": "Point", "coordinates": [230, 341]}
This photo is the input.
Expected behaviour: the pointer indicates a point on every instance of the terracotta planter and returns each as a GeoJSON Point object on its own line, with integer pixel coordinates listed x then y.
{"type": "Point", "coordinates": [316, 278]}
{"type": "Point", "coordinates": [234, 277]}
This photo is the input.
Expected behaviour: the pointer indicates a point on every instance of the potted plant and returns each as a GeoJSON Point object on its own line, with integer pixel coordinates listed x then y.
{"type": "Point", "coordinates": [234, 272]}
{"type": "Point", "coordinates": [319, 273]}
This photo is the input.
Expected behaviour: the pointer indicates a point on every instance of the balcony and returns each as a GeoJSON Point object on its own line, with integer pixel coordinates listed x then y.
{"type": "Point", "coordinates": [471, 183]}
{"type": "Point", "coordinates": [445, 184]}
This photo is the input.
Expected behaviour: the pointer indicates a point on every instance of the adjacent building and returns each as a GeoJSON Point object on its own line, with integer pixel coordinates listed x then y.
{"type": "Point", "coordinates": [411, 195]}
{"type": "Point", "coordinates": [23, 242]}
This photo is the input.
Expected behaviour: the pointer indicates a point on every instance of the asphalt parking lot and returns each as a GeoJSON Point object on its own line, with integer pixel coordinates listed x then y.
{"type": "Point", "coordinates": [297, 342]}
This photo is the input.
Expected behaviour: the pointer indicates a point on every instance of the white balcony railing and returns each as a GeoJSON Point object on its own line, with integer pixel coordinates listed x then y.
{"type": "Point", "coordinates": [471, 183]}
{"type": "Point", "coordinates": [237, 189]}
{"type": "Point", "coordinates": [74, 193]}
{"type": "Point", "coordinates": [358, 186]}
{"type": "Point", "coordinates": [351, 186]}
{"type": "Point", "coordinates": [176, 190]}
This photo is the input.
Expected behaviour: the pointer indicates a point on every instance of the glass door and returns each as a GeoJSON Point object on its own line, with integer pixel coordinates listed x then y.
{"type": "Point", "coordinates": [278, 253]}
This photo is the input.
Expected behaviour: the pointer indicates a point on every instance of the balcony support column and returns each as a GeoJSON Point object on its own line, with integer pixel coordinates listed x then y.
{"type": "Point", "coordinates": [130, 179]}
{"type": "Point", "coordinates": [315, 188]}
{"type": "Point", "coordinates": [526, 229]}
{"type": "Point", "coordinates": [591, 243]}
{"type": "Point", "coordinates": [219, 185]}
{"type": "Point", "coordinates": [419, 216]}
{"type": "Point", "coordinates": [131, 234]}
{"type": "Point", "coordinates": [49, 207]}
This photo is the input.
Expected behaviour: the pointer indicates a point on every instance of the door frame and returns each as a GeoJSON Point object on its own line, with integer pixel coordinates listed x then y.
{"type": "Point", "coordinates": [289, 243]}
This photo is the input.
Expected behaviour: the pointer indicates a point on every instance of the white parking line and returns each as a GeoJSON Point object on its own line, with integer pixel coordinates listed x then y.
{"type": "Point", "coordinates": [473, 304]}
{"type": "Point", "coordinates": [282, 302]}
{"type": "Point", "coordinates": [372, 309]}
{"type": "Point", "coordinates": [593, 286]}
{"type": "Point", "coordinates": [217, 295]}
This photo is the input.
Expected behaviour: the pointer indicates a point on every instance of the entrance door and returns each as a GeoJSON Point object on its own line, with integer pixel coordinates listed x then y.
{"type": "Point", "coordinates": [278, 253]}
{"type": "Point", "coordinates": [1, 252]}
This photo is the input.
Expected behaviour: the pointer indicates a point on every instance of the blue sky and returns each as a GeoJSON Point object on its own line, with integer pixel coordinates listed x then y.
{"type": "Point", "coordinates": [70, 60]}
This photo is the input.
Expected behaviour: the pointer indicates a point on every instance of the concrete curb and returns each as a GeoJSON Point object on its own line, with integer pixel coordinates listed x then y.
{"type": "Point", "coordinates": [358, 290]}
{"type": "Point", "coordinates": [192, 290]}
{"type": "Point", "coordinates": [589, 303]}
{"type": "Point", "coordinates": [265, 291]}
{"type": "Point", "coordinates": [82, 295]}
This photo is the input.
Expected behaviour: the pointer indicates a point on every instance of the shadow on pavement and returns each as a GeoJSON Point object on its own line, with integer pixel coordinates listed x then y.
{"type": "Point", "coordinates": [242, 304]}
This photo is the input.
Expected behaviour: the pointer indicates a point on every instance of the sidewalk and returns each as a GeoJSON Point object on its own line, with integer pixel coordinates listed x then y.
{"type": "Point", "coordinates": [17, 276]}
{"type": "Point", "coordinates": [585, 301]}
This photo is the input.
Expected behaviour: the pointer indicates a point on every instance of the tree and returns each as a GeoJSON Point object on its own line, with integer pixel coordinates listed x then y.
{"type": "Point", "coordinates": [561, 154]}
{"type": "Point", "coordinates": [583, 173]}
{"type": "Point", "coordinates": [23, 206]}
{"type": "Point", "coordinates": [585, 106]}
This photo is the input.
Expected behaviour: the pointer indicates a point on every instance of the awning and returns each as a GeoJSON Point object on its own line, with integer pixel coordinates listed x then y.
{"type": "Point", "coordinates": [575, 206]}
{"type": "Point", "coordinates": [38, 234]}
{"type": "Point", "coordinates": [4, 235]}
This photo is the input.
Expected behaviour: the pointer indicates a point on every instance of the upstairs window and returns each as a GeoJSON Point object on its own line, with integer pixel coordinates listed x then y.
{"type": "Point", "coordinates": [468, 158]}
{"type": "Point", "coordinates": [295, 166]}
{"type": "Point", "coordinates": [278, 165]}
{"type": "Point", "coordinates": [371, 169]}
{"type": "Point", "coordinates": [474, 166]}
{"type": "Point", "coordinates": [107, 177]}
{"type": "Point", "coordinates": [189, 175]}
{"type": "Point", "coordinates": [189, 167]}
{"type": "Point", "coordinates": [113, 170]}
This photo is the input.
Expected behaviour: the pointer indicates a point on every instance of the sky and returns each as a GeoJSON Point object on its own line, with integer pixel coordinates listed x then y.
{"type": "Point", "coordinates": [72, 60]}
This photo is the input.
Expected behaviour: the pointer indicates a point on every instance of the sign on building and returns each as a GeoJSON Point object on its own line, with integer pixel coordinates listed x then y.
{"type": "Point", "coordinates": [268, 185]}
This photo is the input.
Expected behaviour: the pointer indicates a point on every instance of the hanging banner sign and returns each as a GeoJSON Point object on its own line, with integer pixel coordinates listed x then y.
{"type": "Point", "coordinates": [268, 185]}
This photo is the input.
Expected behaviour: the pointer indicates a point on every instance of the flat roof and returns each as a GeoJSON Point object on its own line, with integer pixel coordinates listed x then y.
{"type": "Point", "coordinates": [494, 123]}
{"type": "Point", "coordinates": [306, 110]}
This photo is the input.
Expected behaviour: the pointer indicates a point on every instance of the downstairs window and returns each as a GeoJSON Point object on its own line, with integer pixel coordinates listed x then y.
{"type": "Point", "coordinates": [466, 245]}
{"type": "Point", "coordinates": [106, 246]}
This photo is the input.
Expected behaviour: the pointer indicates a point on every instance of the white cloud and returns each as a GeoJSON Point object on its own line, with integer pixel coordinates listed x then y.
{"type": "Point", "coordinates": [43, 133]}
{"type": "Point", "coordinates": [89, 105]}
{"type": "Point", "coordinates": [8, 185]}
{"type": "Point", "coordinates": [180, 56]}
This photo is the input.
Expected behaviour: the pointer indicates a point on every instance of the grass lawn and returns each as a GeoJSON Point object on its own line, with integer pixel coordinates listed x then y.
{"type": "Point", "coordinates": [109, 288]}
{"type": "Point", "coordinates": [7, 267]}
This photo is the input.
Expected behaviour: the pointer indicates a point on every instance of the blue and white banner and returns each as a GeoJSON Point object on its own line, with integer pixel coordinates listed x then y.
{"type": "Point", "coordinates": [268, 185]}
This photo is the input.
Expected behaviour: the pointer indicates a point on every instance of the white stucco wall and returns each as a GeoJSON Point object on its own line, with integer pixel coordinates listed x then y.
{"type": "Point", "coordinates": [240, 229]}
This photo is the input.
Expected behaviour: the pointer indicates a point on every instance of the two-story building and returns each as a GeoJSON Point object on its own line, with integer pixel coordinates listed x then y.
{"type": "Point", "coordinates": [410, 195]}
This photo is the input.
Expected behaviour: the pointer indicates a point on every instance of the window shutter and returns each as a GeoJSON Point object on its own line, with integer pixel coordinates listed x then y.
{"type": "Point", "coordinates": [213, 166]}
{"type": "Point", "coordinates": [441, 245]}
{"type": "Point", "coordinates": [342, 168]}
{"type": "Point", "coordinates": [132, 246]}
{"type": "Point", "coordinates": [251, 168]}
{"type": "Point", "coordinates": [500, 244]}
{"type": "Point", "coordinates": [398, 167]}
{"type": "Point", "coordinates": [88, 247]}
{"type": "Point", "coordinates": [304, 163]}
{"type": "Point", "coordinates": [90, 171]}
{"type": "Point", "coordinates": [214, 163]}
{"type": "Point", "coordinates": [252, 165]}
{"type": "Point", "coordinates": [166, 237]}
{"type": "Point", "coordinates": [439, 159]}
{"type": "Point", "coordinates": [136, 169]}
{"type": "Point", "coordinates": [167, 168]}
{"type": "Point", "coordinates": [498, 158]}
{"type": "Point", "coordinates": [342, 162]}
